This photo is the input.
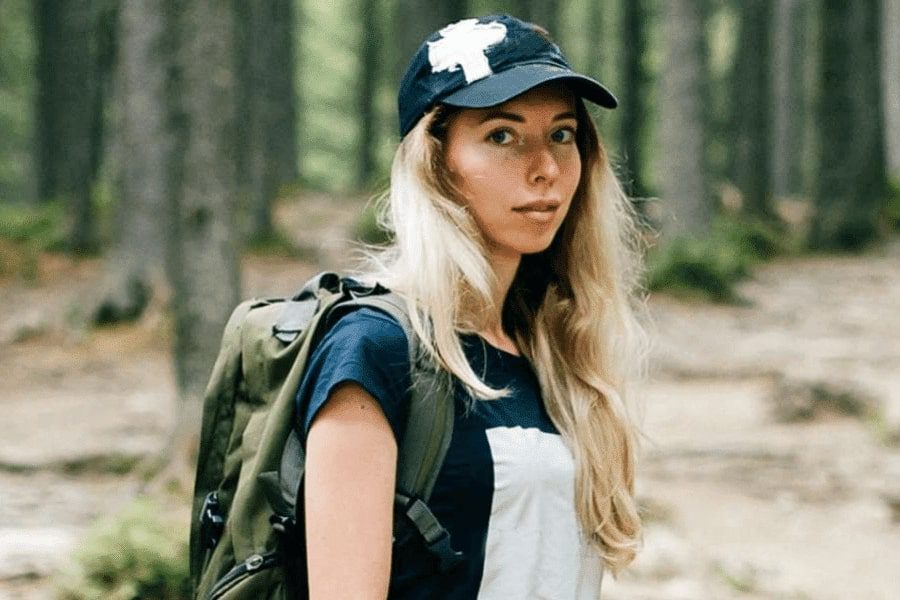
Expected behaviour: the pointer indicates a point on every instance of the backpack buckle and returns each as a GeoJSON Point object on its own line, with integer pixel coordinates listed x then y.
{"type": "Point", "coordinates": [437, 538]}
{"type": "Point", "coordinates": [447, 557]}
{"type": "Point", "coordinates": [212, 522]}
{"type": "Point", "coordinates": [282, 525]}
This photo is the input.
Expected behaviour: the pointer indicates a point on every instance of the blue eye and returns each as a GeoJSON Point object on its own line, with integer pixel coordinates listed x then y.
{"type": "Point", "coordinates": [564, 135]}
{"type": "Point", "coordinates": [500, 137]}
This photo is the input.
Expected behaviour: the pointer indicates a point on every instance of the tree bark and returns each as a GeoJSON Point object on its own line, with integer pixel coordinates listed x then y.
{"type": "Point", "coordinates": [69, 108]}
{"type": "Point", "coordinates": [598, 50]}
{"type": "Point", "coordinates": [850, 182]}
{"type": "Point", "coordinates": [633, 91]}
{"type": "Point", "coordinates": [141, 146]}
{"type": "Point", "coordinates": [267, 154]}
{"type": "Point", "coordinates": [750, 102]}
{"type": "Point", "coordinates": [890, 78]}
{"type": "Point", "coordinates": [414, 20]}
{"type": "Point", "coordinates": [17, 82]}
{"type": "Point", "coordinates": [789, 108]}
{"type": "Point", "coordinates": [202, 253]}
{"type": "Point", "coordinates": [540, 12]}
{"type": "Point", "coordinates": [368, 78]}
{"type": "Point", "coordinates": [683, 174]}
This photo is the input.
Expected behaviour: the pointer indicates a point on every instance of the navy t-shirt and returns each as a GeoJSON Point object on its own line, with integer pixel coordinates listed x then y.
{"type": "Point", "coordinates": [506, 489]}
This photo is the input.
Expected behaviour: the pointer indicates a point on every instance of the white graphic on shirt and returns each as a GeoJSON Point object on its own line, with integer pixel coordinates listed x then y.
{"type": "Point", "coordinates": [464, 44]}
{"type": "Point", "coordinates": [534, 548]}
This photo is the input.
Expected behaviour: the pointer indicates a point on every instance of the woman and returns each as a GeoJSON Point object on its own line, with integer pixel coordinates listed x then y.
{"type": "Point", "coordinates": [511, 237]}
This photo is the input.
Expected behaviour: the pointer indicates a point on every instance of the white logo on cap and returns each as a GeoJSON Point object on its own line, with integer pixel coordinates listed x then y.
{"type": "Point", "coordinates": [463, 44]}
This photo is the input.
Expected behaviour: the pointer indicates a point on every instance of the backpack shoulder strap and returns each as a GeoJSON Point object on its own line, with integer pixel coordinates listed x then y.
{"type": "Point", "coordinates": [429, 428]}
{"type": "Point", "coordinates": [429, 424]}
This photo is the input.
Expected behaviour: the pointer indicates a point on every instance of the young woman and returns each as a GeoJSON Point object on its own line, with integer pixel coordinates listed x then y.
{"type": "Point", "coordinates": [512, 238]}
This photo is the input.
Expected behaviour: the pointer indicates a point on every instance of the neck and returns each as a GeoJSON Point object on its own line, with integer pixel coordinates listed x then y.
{"type": "Point", "coordinates": [505, 268]}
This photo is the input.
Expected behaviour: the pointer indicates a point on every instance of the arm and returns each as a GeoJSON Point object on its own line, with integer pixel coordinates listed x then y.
{"type": "Point", "coordinates": [351, 461]}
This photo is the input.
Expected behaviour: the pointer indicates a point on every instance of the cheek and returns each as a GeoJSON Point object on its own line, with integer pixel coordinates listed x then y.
{"type": "Point", "coordinates": [483, 181]}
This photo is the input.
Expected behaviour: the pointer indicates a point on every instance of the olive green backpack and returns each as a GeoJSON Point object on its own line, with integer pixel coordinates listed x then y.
{"type": "Point", "coordinates": [247, 524]}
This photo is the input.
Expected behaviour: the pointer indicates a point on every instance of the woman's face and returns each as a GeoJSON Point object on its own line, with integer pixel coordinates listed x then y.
{"type": "Point", "coordinates": [516, 167]}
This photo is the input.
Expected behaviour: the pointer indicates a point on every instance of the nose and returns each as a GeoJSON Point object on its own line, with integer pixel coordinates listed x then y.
{"type": "Point", "coordinates": [544, 167]}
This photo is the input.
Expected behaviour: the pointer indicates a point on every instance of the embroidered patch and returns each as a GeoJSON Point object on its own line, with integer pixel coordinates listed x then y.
{"type": "Point", "coordinates": [464, 44]}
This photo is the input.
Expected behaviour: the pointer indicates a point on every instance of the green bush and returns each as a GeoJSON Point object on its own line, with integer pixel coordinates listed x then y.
{"type": "Point", "coordinates": [25, 232]}
{"type": "Point", "coordinates": [368, 229]}
{"type": "Point", "coordinates": [41, 226]}
{"type": "Point", "coordinates": [710, 267]}
{"type": "Point", "coordinates": [893, 203]}
{"type": "Point", "coordinates": [138, 554]}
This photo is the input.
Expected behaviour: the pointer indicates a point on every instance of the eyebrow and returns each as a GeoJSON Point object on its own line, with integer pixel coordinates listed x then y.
{"type": "Point", "coordinates": [509, 116]}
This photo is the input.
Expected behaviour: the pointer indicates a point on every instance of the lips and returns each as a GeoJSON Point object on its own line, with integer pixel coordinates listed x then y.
{"type": "Point", "coordinates": [539, 212]}
{"type": "Point", "coordinates": [538, 206]}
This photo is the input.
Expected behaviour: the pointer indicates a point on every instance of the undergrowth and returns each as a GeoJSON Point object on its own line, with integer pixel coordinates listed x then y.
{"type": "Point", "coordinates": [367, 228]}
{"type": "Point", "coordinates": [27, 231]}
{"type": "Point", "coordinates": [139, 553]}
{"type": "Point", "coordinates": [709, 267]}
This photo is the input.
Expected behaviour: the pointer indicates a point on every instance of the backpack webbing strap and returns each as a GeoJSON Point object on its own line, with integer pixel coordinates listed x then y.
{"type": "Point", "coordinates": [437, 539]}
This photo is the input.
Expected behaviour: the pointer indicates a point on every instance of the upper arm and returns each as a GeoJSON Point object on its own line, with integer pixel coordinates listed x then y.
{"type": "Point", "coordinates": [351, 459]}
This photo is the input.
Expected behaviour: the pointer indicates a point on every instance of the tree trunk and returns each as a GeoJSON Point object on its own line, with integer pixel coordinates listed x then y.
{"type": "Point", "coordinates": [683, 176]}
{"type": "Point", "coordinates": [452, 11]}
{"type": "Point", "coordinates": [368, 79]}
{"type": "Point", "coordinates": [850, 187]}
{"type": "Point", "coordinates": [267, 152]}
{"type": "Point", "coordinates": [598, 50]}
{"type": "Point", "coordinates": [541, 12]}
{"type": "Point", "coordinates": [789, 108]}
{"type": "Point", "coordinates": [142, 144]}
{"type": "Point", "coordinates": [890, 79]}
{"type": "Point", "coordinates": [69, 108]}
{"type": "Point", "coordinates": [16, 82]}
{"type": "Point", "coordinates": [203, 250]}
{"type": "Point", "coordinates": [414, 20]}
{"type": "Point", "coordinates": [751, 100]}
{"type": "Point", "coordinates": [633, 91]}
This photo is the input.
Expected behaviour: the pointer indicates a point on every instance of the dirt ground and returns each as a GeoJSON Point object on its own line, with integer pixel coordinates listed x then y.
{"type": "Point", "coordinates": [771, 464]}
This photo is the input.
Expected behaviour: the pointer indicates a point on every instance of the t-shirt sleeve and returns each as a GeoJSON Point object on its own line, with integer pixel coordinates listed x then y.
{"type": "Point", "coordinates": [366, 347]}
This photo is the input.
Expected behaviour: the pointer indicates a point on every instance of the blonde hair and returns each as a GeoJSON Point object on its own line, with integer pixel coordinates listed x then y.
{"type": "Point", "coordinates": [570, 308]}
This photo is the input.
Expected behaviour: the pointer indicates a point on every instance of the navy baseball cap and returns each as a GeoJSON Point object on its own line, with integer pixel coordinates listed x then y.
{"type": "Point", "coordinates": [476, 63]}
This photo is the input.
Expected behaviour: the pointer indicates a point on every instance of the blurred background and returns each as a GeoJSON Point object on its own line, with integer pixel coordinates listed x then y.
{"type": "Point", "coordinates": [161, 160]}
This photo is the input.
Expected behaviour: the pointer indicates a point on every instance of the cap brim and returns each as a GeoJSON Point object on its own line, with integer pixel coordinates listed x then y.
{"type": "Point", "coordinates": [505, 85]}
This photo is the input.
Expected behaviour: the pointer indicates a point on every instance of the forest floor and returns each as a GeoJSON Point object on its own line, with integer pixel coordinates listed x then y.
{"type": "Point", "coordinates": [771, 465]}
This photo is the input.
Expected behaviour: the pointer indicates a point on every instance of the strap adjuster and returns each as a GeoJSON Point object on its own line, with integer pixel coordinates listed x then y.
{"type": "Point", "coordinates": [437, 538]}
{"type": "Point", "coordinates": [212, 521]}
{"type": "Point", "coordinates": [283, 525]}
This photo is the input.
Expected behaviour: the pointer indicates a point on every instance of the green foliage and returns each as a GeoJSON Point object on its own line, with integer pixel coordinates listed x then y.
{"type": "Point", "coordinates": [137, 554]}
{"type": "Point", "coordinates": [710, 267]}
{"type": "Point", "coordinates": [26, 231]}
{"type": "Point", "coordinates": [368, 229]}
{"type": "Point", "coordinates": [42, 225]}
{"type": "Point", "coordinates": [892, 208]}
{"type": "Point", "coordinates": [276, 244]}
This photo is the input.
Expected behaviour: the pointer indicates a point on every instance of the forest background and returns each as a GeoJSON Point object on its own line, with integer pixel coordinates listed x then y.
{"type": "Point", "coordinates": [160, 160]}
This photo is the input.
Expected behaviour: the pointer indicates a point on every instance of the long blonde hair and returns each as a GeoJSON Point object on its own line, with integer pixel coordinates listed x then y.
{"type": "Point", "coordinates": [570, 308]}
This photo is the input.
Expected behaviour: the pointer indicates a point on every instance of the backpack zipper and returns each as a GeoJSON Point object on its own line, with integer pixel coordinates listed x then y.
{"type": "Point", "coordinates": [254, 562]}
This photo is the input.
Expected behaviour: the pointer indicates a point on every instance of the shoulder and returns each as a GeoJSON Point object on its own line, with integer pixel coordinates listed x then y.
{"type": "Point", "coordinates": [367, 326]}
{"type": "Point", "coordinates": [366, 347]}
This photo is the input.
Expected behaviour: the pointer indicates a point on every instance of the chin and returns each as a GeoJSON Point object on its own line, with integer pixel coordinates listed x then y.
{"type": "Point", "coordinates": [532, 246]}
